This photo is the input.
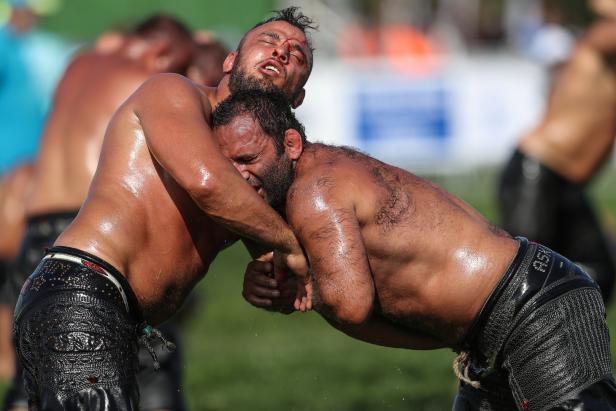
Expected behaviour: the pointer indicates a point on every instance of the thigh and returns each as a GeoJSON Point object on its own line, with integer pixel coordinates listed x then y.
{"type": "Point", "coordinates": [77, 351]}
{"type": "Point", "coordinates": [558, 349]}
{"type": "Point", "coordinates": [600, 396]}
{"type": "Point", "coordinates": [493, 394]}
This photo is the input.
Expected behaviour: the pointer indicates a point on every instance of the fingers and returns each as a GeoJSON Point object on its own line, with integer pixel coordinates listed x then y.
{"type": "Point", "coordinates": [261, 280]}
{"type": "Point", "coordinates": [267, 257]}
{"type": "Point", "coordinates": [259, 288]}
{"type": "Point", "coordinates": [258, 301]}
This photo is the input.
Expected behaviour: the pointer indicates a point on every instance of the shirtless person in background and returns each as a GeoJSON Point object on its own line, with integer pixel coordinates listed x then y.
{"type": "Point", "coordinates": [94, 85]}
{"type": "Point", "coordinates": [542, 189]}
{"type": "Point", "coordinates": [399, 262]}
{"type": "Point", "coordinates": [206, 65]}
{"type": "Point", "coordinates": [163, 202]}
{"type": "Point", "coordinates": [14, 188]}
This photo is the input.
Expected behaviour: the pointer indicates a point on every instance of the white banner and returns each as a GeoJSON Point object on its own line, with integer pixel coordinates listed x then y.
{"type": "Point", "coordinates": [469, 112]}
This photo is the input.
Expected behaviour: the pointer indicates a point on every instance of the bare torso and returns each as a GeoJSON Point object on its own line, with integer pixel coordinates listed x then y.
{"type": "Point", "coordinates": [138, 219]}
{"type": "Point", "coordinates": [578, 129]}
{"type": "Point", "coordinates": [93, 87]}
{"type": "Point", "coordinates": [433, 259]}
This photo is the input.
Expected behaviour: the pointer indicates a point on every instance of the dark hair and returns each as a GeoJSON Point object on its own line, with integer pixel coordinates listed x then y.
{"type": "Point", "coordinates": [294, 17]}
{"type": "Point", "coordinates": [158, 24]}
{"type": "Point", "coordinates": [175, 33]}
{"type": "Point", "coordinates": [268, 108]}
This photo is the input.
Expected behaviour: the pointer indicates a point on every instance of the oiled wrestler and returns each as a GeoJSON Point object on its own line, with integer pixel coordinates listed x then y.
{"type": "Point", "coordinates": [400, 262]}
{"type": "Point", "coordinates": [163, 202]}
{"type": "Point", "coordinates": [94, 85]}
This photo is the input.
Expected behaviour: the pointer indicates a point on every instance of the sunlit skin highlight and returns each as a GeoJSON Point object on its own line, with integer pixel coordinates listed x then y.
{"type": "Point", "coordinates": [410, 273]}
{"type": "Point", "coordinates": [190, 198]}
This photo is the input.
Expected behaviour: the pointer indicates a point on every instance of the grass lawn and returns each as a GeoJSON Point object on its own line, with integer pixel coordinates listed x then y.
{"type": "Point", "coordinates": [243, 359]}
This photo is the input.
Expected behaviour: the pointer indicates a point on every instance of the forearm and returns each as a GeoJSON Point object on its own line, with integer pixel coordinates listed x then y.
{"type": "Point", "coordinates": [172, 114]}
{"type": "Point", "coordinates": [377, 330]}
{"type": "Point", "coordinates": [233, 203]}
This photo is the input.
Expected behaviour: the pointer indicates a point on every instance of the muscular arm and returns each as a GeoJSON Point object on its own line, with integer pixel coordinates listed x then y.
{"type": "Point", "coordinates": [377, 330]}
{"type": "Point", "coordinates": [172, 113]}
{"type": "Point", "coordinates": [324, 220]}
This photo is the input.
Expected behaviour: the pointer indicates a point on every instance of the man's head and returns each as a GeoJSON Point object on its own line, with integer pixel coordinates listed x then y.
{"type": "Point", "coordinates": [169, 43]}
{"type": "Point", "coordinates": [276, 54]}
{"type": "Point", "coordinates": [206, 65]}
{"type": "Point", "coordinates": [604, 8]}
{"type": "Point", "coordinates": [259, 133]}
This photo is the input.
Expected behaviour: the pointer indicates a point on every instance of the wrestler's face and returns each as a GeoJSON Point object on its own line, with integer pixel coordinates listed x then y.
{"type": "Point", "coordinates": [604, 8]}
{"type": "Point", "coordinates": [274, 55]}
{"type": "Point", "coordinates": [253, 153]}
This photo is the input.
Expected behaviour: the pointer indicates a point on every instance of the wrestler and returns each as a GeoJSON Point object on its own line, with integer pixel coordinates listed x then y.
{"type": "Point", "coordinates": [95, 84]}
{"type": "Point", "coordinates": [400, 262]}
{"type": "Point", "coordinates": [163, 202]}
{"type": "Point", "coordinates": [13, 191]}
{"type": "Point", "coordinates": [542, 189]}
{"type": "Point", "coordinates": [206, 65]}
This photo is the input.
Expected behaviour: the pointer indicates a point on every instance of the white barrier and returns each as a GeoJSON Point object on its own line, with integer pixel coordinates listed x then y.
{"type": "Point", "coordinates": [467, 113]}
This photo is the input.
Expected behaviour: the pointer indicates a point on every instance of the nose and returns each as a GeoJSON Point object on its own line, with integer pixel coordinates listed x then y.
{"type": "Point", "coordinates": [245, 174]}
{"type": "Point", "coordinates": [282, 51]}
{"type": "Point", "coordinates": [242, 169]}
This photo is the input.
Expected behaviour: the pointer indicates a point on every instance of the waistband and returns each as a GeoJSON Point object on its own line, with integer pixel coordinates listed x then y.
{"type": "Point", "coordinates": [482, 318]}
{"type": "Point", "coordinates": [543, 170]}
{"type": "Point", "coordinates": [536, 275]}
{"type": "Point", "coordinates": [102, 267]}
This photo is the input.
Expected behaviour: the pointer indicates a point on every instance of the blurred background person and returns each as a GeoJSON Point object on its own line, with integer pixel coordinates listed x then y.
{"type": "Point", "coordinates": [31, 62]}
{"type": "Point", "coordinates": [14, 188]}
{"type": "Point", "coordinates": [94, 85]}
{"type": "Point", "coordinates": [542, 193]}
{"type": "Point", "coordinates": [206, 65]}
{"type": "Point", "coordinates": [552, 42]}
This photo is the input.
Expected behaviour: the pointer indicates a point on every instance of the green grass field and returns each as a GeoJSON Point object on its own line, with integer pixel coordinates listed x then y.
{"type": "Point", "coordinates": [243, 359]}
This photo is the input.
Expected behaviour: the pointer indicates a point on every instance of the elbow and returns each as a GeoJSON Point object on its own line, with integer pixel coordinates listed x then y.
{"type": "Point", "coordinates": [352, 313]}
{"type": "Point", "coordinates": [202, 185]}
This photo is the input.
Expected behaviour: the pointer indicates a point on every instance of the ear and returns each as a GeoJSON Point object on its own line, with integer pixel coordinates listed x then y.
{"type": "Point", "coordinates": [227, 65]}
{"type": "Point", "coordinates": [293, 145]}
{"type": "Point", "coordinates": [297, 101]}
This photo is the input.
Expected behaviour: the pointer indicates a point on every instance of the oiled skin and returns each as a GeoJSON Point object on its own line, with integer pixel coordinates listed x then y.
{"type": "Point", "coordinates": [164, 200]}
{"type": "Point", "coordinates": [396, 260]}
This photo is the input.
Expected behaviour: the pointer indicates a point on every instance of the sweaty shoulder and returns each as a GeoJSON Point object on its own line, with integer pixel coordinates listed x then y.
{"type": "Point", "coordinates": [171, 90]}
{"type": "Point", "coordinates": [325, 174]}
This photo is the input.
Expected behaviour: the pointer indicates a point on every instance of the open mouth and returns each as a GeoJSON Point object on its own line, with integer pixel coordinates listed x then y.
{"type": "Point", "coordinates": [271, 68]}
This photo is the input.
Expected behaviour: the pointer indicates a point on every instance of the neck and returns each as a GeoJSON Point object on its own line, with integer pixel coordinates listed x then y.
{"type": "Point", "coordinates": [222, 91]}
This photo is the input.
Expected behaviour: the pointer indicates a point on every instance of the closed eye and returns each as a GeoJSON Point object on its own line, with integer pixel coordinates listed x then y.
{"type": "Point", "coordinates": [246, 159]}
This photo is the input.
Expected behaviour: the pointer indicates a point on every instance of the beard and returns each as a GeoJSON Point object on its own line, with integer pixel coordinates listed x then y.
{"type": "Point", "coordinates": [276, 182]}
{"type": "Point", "coordinates": [240, 80]}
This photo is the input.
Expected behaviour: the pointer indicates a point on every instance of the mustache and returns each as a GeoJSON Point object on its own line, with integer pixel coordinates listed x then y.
{"type": "Point", "coordinates": [254, 181]}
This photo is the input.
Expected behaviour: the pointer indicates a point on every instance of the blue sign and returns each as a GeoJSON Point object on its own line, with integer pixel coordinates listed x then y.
{"type": "Point", "coordinates": [406, 109]}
